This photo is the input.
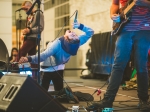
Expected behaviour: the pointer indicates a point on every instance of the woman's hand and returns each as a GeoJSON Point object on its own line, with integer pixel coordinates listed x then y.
{"type": "Point", "coordinates": [115, 18]}
{"type": "Point", "coordinates": [23, 60]}
{"type": "Point", "coordinates": [76, 25]}
{"type": "Point", "coordinates": [14, 58]}
{"type": "Point", "coordinates": [26, 31]}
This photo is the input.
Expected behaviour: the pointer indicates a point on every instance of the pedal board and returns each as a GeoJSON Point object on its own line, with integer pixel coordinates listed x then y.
{"type": "Point", "coordinates": [83, 109]}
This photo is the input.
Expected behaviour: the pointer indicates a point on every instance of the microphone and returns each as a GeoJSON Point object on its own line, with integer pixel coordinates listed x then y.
{"type": "Point", "coordinates": [75, 19]}
{"type": "Point", "coordinates": [22, 9]}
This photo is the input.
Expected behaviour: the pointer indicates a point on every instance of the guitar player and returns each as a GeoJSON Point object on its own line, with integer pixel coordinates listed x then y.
{"type": "Point", "coordinates": [31, 30]}
{"type": "Point", "coordinates": [30, 33]}
{"type": "Point", "coordinates": [134, 37]}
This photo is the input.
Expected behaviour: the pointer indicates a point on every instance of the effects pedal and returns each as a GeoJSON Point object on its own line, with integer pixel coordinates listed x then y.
{"type": "Point", "coordinates": [75, 108]}
{"type": "Point", "coordinates": [107, 110]}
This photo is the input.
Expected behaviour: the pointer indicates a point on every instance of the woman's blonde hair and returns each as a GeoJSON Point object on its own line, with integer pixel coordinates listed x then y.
{"type": "Point", "coordinates": [25, 2]}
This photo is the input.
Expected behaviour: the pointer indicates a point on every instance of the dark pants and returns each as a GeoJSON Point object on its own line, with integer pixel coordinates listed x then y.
{"type": "Point", "coordinates": [29, 46]}
{"type": "Point", "coordinates": [55, 77]}
{"type": "Point", "coordinates": [140, 42]}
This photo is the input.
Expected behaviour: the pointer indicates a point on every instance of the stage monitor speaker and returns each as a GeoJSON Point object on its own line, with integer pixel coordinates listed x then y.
{"type": "Point", "coordinates": [4, 57]}
{"type": "Point", "coordinates": [1, 74]}
{"type": "Point", "coordinates": [20, 93]}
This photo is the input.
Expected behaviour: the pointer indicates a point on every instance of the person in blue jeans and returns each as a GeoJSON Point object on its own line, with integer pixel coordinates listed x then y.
{"type": "Point", "coordinates": [134, 35]}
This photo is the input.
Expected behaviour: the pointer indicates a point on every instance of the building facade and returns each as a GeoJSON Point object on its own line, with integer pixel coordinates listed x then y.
{"type": "Point", "coordinates": [57, 13]}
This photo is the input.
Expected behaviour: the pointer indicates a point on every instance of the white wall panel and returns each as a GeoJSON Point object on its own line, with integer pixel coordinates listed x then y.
{"type": "Point", "coordinates": [49, 29]}
{"type": "Point", "coordinates": [6, 22]}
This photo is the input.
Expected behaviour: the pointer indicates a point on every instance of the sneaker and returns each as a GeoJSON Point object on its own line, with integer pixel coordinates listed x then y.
{"type": "Point", "coordinates": [104, 103]}
{"type": "Point", "coordinates": [70, 96]}
{"type": "Point", "coordinates": [144, 106]}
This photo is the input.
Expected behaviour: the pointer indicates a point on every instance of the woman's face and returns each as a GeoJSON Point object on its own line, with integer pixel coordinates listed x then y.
{"type": "Point", "coordinates": [69, 36]}
{"type": "Point", "coordinates": [14, 52]}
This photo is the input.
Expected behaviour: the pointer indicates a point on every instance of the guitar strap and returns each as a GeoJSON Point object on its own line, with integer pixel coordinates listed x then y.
{"type": "Point", "coordinates": [128, 3]}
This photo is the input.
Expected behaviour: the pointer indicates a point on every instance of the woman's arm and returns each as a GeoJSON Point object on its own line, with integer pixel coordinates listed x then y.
{"type": "Point", "coordinates": [87, 35]}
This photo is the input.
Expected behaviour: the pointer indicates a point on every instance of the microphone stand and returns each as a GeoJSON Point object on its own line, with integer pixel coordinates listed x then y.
{"type": "Point", "coordinates": [16, 30]}
{"type": "Point", "coordinates": [19, 31]}
{"type": "Point", "coordinates": [38, 37]}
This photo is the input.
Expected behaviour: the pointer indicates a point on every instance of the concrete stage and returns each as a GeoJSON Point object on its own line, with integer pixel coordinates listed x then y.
{"type": "Point", "coordinates": [126, 100]}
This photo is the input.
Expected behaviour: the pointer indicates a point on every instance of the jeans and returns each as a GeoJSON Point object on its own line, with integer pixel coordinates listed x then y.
{"type": "Point", "coordinates": [130, 41]}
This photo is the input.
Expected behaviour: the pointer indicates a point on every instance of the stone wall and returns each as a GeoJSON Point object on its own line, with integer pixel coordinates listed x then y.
{"type": "Point", "coordinates": [6, 22]}
{"type": "Point", "coordinates": [94, 13]}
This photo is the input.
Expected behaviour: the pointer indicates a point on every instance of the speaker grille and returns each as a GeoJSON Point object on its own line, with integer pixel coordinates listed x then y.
{"type": "Point", "coordinates": [2, 86]}
{"type": "Point", "coordinates": [11, 92]}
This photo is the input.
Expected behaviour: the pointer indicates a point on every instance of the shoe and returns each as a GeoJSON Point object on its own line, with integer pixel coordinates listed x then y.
{"type": "Point", "coordinates": [70, 96]}
{"type": "Point", "coordinates": [104, 103]}
{"type": "Point", "coordinates": [143, 105]}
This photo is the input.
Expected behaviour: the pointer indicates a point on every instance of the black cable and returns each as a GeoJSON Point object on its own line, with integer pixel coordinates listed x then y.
{"type": "Point", "coordinates": [54, 39]}
{"type": "Point", "coordinates": [97, 90]}
{"type": "Point", "coordinates": [57, 71]}
{"type": "Point", "coordinates": [127, 106]}
{"type": "Point", "coordinates": [121, 103]}
{"type": "Point", "coordinates": [50, 58]}
{"type": "Point", "coordinates": [73, 93]}
{"type": "Point", "coordinates": [57, 37]}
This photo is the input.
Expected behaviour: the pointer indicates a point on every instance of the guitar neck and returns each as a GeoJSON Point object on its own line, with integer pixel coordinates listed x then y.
{"type": "Point", "coordinates": [129, 7]}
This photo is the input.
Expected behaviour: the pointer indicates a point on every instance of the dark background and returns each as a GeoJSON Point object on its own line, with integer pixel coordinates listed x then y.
{"type": "Point", "coordinates": [103, 46]}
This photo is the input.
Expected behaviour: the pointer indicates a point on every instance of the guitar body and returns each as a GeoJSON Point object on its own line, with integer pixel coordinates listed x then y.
{"type": "Point", "coordinates": [117, 27]}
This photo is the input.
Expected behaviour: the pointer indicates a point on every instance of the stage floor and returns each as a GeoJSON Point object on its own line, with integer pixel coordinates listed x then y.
{"type": "Point", "coordinates": [126, 100]}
